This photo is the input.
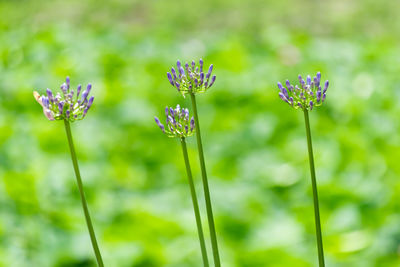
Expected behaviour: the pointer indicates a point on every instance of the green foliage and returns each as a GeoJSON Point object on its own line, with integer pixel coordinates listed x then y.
{"type": "Point", "coordinates": [255, 146]}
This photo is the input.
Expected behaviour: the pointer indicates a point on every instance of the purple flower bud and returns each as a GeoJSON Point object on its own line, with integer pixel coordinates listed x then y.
{"type": "Point", "coordinates": [186, 129]}
{"type": "Point", "coordinates": [201, 78]}
{"type": "Point", "coordinates": [300, 105]}
{"type": "Point", "coordinates": [67, 113]}
{"type": "Point", "coordinates": [300, 78]}
{"type": "Point", "coordinates": [311, 105]}
{"type": "Point", "coordinates": [316, 82]}
{"type": "Point", "coordinates": [323, 97]}
{"type": "Point", "coordinates": [67, 82]}
{"type": "Point", "coordinates": [319, 94]}
{"type": "Point", "coordinates": [166, 111]}
{"type": "Point", "coordinates": [171, 120]}
{"type": "Point", "coordinates": [288, 84]}
{"type": "Point", "coordinates": [192, 124]}
{"type": "Point", "coordinates": [85, 112]}
{"type": "Point", "coordinates": [171, 110]}
{"type": "Point", "coordinates": [48, 114]}
{"type": "Point", "coordinates": [90, 101]}
{"type": "Point", "coordinates": [78, 90]}
{"type": "Point", "coordinates": [159, 124]}
{"type": "Point", "coordinates": [45, 101]}
{"type": "Point", "coordinates": [173, 73]}
{"type": "Point", "coordinates": [319, 76]}
{"type": "Point", "coordinates": [61, 106]}
{"type": "Point", "coordinates": [212, 81]}
{"type": "Point", "coordinates": [326, 87]}
{"type": "Point", "coordinates": [64, 88]}
{"type": "Point", "coordinates": [302, 82]}
{"type": "Point", "coordinates": [291, 100]}
{"type": "Point", "coordinates": [280, 86]}
{"type": "Point", "coordinates": [209, 71]}
{"type": "Point", "coordinates": [178, 86]}
{"type": "Point", "coordinates": [187, 68]}
{"type": "Point", "coordinates": [196, 83]}
{"type": "Point", "coordinates": [201, 65]}
{"type": "Point", "coordinates": [170, 78]}
{"type": "Point", "coordinates": [178, 64]}
{"type": "Point", "coordinates": [285, 92]}
{"type": "Point", "coordinates": [283, 97]}
{"type": "Point", "coordinates": [89, 86]}
{"type": "Point", "coordinates": [50, 94]}
{"type": "Point", "coordinates": [84, 95]}
{"type": "Point", "coordinates": [308, 79]}
{"type": "Point", "coordinates": [181, 72]}
{"type": "Point", "coordinates": [193, 64]}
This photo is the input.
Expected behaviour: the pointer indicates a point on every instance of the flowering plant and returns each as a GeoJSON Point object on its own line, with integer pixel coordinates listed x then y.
{"type": "Point", "coordinates": [68, 108]}
{"type": "Point", "coordinates": [305, 97]}
{"type": "Point", "coordinates": [193, 81]}
{"type": "Point", "coordinates": [179, 125]}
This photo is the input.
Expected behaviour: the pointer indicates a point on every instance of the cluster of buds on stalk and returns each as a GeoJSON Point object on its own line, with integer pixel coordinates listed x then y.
{"type": "Point", "coordinates": [305, 97]}
{"type": "Point", "coordinates": [65, 105]}
{"type": "Point", "coordinates": [191, 79]}
{"type": "Point", "coordinates": [177, 122]}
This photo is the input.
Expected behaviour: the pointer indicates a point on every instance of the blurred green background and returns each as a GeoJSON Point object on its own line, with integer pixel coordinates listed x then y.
{"type": "Point", "coordinates": [255, 145]}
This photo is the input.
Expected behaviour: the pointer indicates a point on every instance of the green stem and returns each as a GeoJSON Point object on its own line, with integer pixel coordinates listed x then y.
{"type": "Point", "coordinates": [195, 203]}
{"type": "Point", "coordinates": [207, 197]}
{"type": "Point", "coordinates": [82, 194]}
{"type": "Point", "coordinates": [315, 192]}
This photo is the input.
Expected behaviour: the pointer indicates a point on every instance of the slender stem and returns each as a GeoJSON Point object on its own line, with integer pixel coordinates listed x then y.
{"type": "Point", "coordinates": [315, 192]}
{"type": "Point", "coordinates": [195, 204]}
{"type": "Point", "coordinates": [82, 194]}
{"type": "Point", "coordinates": [207, 197]}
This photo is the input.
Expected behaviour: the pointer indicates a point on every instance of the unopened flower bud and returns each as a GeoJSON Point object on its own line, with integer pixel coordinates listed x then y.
{"type": "Point", "coordinates": [170, 78]}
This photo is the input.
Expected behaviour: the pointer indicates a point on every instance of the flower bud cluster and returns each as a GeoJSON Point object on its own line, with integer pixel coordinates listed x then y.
{"type": "Point", "coordinates": [310, 93]}
{"type": "Point", "coordinates": [65, 105]}
{"type": "Point", "coordinates": [177, 122]}
{"type": "Point", "coordinates": [191, 78]}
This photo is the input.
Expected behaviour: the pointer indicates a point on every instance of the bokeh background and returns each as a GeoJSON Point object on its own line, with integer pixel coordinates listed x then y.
{"type": "Point", "coordinates": [255, 144]}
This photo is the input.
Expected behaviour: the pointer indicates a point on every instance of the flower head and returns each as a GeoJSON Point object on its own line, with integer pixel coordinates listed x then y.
{"type": "Point", "coordinates": [191, 78]}
{"type": "Point", "coordinates": [65, 105]}
{"type": "Point", "coordinates": [177, 122]}
{"type": "Point", "coordinates": [310, 93]}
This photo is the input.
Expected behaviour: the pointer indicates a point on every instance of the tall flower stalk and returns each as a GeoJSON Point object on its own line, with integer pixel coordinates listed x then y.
{"type": "Point", "coordinates": [179, 125]}
{"type": "Point", "coordinates": [69, 108]}
{"type": "Point", "coordinates": [305, 97]}
{"type": "Point", "coordinates": [191, 80]}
